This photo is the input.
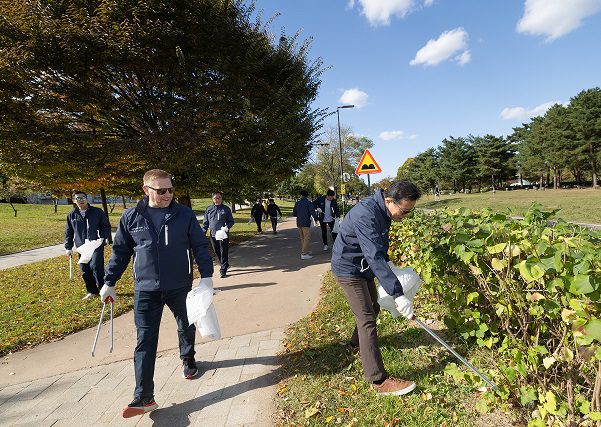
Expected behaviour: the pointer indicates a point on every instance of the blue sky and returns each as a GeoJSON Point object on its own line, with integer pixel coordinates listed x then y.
{"type": "Point", "coordinates": [423, 70]}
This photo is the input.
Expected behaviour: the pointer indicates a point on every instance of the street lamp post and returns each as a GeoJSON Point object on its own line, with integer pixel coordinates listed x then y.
{"type": "Point", "coordinates": [340, 147]}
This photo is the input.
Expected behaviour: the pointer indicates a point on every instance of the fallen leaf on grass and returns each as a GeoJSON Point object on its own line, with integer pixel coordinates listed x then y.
{"type": "Point", "coordinates": [311, 412]}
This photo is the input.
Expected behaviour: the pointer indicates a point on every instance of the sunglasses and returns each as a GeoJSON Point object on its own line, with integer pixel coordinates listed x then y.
{"type": "Point", "coordinates": [80, 198]}
{"type": "Point", "coordinates": [161, 191]}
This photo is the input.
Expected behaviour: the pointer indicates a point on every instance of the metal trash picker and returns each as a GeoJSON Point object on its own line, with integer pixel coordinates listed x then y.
{"type": "Point", "coordinates": [71, 267]}
{"type": "Point", "coordinates": [457, 355]}
{"type": "Point", "coordinates": [110, 301]}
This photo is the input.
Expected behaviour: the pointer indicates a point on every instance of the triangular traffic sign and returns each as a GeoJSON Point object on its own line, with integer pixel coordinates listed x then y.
{"type": "Point", "coordinates": [367, 164]}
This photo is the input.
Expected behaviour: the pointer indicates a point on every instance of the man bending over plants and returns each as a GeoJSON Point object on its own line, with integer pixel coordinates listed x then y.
{"type": "Point", "coordinates": [359, 255]}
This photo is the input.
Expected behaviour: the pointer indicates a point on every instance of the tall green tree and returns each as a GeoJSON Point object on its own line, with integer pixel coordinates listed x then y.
{"type": "Point", "coordinates": [492, 158]}
{"type": "Point", "coordinates": [456, 162]}
{"type": "Point", "coordinates": [531, 146]}
{"type": "Point", "coordinates": [585, 117]}
{"type": "Point", "coordinates": [104, 89]}
{"type": "Point", "coordinates": [422, 170]}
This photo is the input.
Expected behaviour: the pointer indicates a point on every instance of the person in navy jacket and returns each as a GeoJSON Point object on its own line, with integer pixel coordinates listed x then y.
{"type": "Point", "coordinates": [163, 237]}
{"type": "Point", "coordinates": [359, 255]}
{"type": "Point", "coordinates": [218, 216]}
{"type": "Point", "coordinates": [87, 222]}
{"type": "Point", "coordinates": [303, 211]}
{"type": "Point", "coordinates": [327, 212]}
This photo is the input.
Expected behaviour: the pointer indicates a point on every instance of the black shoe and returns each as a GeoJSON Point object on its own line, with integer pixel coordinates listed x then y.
{"type": "Point", "coordinates": [190, 368]}
{"type": "Point", "coordinates": [223, 275]}
{"type": "Point", "coordinates": [140, 406]}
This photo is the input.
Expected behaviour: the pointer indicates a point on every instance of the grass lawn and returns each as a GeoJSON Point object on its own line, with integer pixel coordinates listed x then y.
{"type": "Point", "coordinates": [576, 205]}
{"type": "Point", "coordinates": [40, 304]}
{"type": "Point", "coordinates": [36, 226]}
{"type": "Point", "coordinates": [324, 382]}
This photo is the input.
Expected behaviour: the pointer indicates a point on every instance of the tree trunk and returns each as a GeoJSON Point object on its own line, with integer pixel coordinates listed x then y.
{"type": "Point", "coordinates": [123, 200]}
{"type": "Point", "coordinates": [12, 206]}
{"type": "Point", "coordinates": [555, 178]}
{"type": "Point", "coordinates": [185, 200]}
{"type": "Point", "coordinates": [233, 207]}
{"type": "Point", "coordinates": [492, 180]}
{"type": "Point", "coordinates": [55, 203]}
{"type": "Point", "coordinates": [540, 182]}
{"type": "Point", "coordinates": [106, 211]}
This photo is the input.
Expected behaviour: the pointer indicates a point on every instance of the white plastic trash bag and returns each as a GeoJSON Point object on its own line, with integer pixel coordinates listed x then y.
{"type": "Point", "coordinates": [250, 220]}
{"type": "Point", "coordinates": [281, 220]}
{"type": "Point", "coordinates": [410, 281]}
{"type": "Point", "coordinates": [208, 325]}
{"type": "Point", "coordinates": [221, 234]}
{"type": "Point", "coordinates": [201, 311]}
{"type": "Point", "coordinates": [87, 250]}
{"type": "Point", "coordinates": [336, 227]}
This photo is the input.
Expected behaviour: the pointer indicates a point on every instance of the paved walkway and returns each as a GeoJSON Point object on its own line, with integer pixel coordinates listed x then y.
{"type": "Point", "coordinates": [59, 383]}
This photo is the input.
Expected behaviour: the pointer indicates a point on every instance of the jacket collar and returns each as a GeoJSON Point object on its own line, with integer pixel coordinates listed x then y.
{"type": "Point", "coordinates": [379, 198]}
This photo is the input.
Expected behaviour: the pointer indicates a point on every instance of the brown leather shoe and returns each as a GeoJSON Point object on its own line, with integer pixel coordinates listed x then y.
{"type": "Point", "coordinates": [393, 386]}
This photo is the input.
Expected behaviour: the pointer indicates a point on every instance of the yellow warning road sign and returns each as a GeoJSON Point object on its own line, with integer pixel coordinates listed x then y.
{"type": "Point", "coordinates": [367, 164]}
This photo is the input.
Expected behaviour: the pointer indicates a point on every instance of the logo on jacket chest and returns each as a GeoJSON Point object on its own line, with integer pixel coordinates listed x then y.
{"type": "Point", "coordinates": [139, 229]}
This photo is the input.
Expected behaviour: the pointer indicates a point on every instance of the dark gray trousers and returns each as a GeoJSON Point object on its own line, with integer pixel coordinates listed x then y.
{"type": "Point", "coordinates": [362, 296]}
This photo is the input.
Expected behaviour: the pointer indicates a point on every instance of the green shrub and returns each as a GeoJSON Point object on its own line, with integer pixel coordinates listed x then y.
{"type": "Point", "coordinates": [525, 288]}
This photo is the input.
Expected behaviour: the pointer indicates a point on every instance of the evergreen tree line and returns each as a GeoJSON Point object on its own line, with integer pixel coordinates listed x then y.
{"type": "Point", "coordinates": [562, 145]}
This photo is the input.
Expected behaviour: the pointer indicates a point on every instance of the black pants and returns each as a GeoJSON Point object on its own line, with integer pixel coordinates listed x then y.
{"type": "Point", "coordinates": [93, 272]}
{"type": "Point", "coordinates": [221, 250]}
{"type": "Point", "coordinates": [274, 223]}
{"type": "Point", "coordinates": [362, 296]}
{"type": "Point", "coordinates": [148, 309]}
{"type": "Point", "coordinates": [324, 231]}
{"type": "Point", "coordinates": [258, 220]}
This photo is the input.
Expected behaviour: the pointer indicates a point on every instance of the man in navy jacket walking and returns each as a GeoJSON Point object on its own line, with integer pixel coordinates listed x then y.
{"type": "Point", "coordinates": [303, 211]}
{"type": "Point", "coordinates": [359, 255]}
{"type": "Point", "coordinates": [327, 212]}
{"type": "Point", "coordinates": [87, 222]}
{"type": "Point", "coordinates": [219, 216]}
{"type": "Point", "coordinates": [163, 237]}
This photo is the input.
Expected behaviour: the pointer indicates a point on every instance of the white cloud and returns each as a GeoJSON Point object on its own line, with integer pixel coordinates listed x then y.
{"type": "Point", "coordinates": [521, 113]}
{"type": "Point", "coordinates": [390, 135]}
{"type": "Point", "coordinates": [555, 18]}
{"type": "Point", "coordinates": [450, 44]}
{"type": "Point", "coordinates": [379, 12]}
{"type": "Point", "coordinates": [354, 96]}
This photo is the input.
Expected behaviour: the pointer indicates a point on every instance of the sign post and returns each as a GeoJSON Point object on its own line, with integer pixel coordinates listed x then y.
{"type": "Point", "coordinates": [368, 165]}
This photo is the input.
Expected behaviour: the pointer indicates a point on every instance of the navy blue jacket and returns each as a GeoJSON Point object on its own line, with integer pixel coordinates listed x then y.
{"type": "Point", "coordinates": [94, 226]}
{"type": "Point", "coordinates": [303, 211]}
{"type": "Point", "coordinates": [217, 216]}
{"type": "Point", "coordinates": [320, 202]}
{"type": "Point", "coordinates": [362, 244]}
{"type": "Point", "coordinates": [162, 258]}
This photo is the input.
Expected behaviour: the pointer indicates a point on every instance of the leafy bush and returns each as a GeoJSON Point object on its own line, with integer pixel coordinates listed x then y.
{"type": "Point", "coordinates": [524, 288]}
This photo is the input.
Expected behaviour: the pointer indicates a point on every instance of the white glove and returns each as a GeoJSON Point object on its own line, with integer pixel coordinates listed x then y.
{"type": "Point", "coordinates": [69, 252]}
{"type": "Point", "coordinates": [225, 228]}
{"type": "Point", "coordinates": [405, 306]}
{"type": "Point", "coordinates": [318, 210]}
{"type": "Point", "coordinates": [208, 281]}
{"type": "Point", "coordinates": [108, 292]}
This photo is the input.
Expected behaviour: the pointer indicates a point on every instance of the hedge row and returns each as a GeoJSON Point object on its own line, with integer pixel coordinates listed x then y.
{"type": "Point", "coordinates": [528, 290]}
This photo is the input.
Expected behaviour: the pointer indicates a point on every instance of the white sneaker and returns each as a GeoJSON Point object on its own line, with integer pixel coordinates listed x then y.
{"type": "Point", "coordinates": [88, 296]}
{"type": "Point", "coordinates": [325, 247]}
{"type": "Point", "coordinates": [307, 256]}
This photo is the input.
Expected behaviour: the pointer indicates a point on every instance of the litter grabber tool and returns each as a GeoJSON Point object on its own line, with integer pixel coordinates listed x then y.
{"type": "Point", "coordinates": [457, 355]}
{"type": "Point", "coordinates": [70, 267]}
{"type": "Point", "coordinates": [110, 301]}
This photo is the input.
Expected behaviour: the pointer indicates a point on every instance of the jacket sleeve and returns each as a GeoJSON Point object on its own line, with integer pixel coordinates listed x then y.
{"type": "Point", "coordinates": [229, 222]}
{"type": "Point", "coordinates": [294, 209]}
{"type": "Point", "coordinates": [375, 253]}
{"type": "Point", "coordinates": [278, 208]}
{"type": "Point", "coordinates": [205, 221]}
{"type": "Point", "coordinates": [105, 226]}
{"type": "Point", "coordinates": [312, 211]}
{"type": "Point", "coordinates": [200, 248]}
{"type": "Point", "coordinates": [68, 234]}
{"type": "Point", "coordinates": [123, 249]}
